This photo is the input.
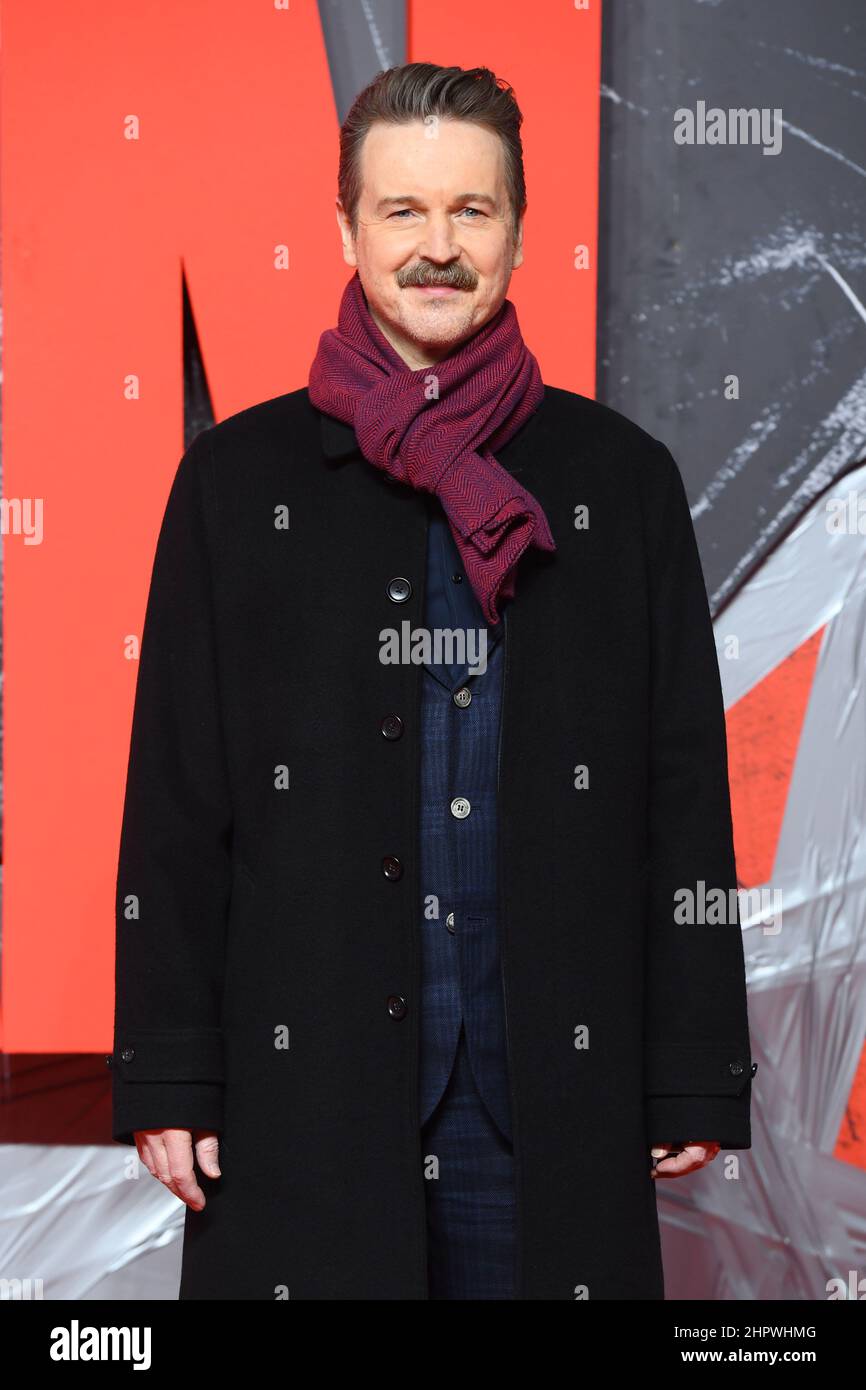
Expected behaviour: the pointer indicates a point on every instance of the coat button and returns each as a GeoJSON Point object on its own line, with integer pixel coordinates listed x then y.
{"type": "Point", "coordinates": [397, 1007]}
{"type": "Point", "coordinates": [392, 867]}
{"type": "Point", "coordinates": [399, 589]}
{"type": "Point", "coordinates": [736, 1068]}
{"type": "Point", "coordinates": [449, 922]}
{"type": "Point", "coordinates": [108, 1060]}
{"type": "Point", "coordinates": [460, 807]}
{"type": "Point", "coordinates": [127, 1054]}
{"type": "Point", "coordinates": [392, 726]}
{"type": "Point", "coordinates": [462, 697]}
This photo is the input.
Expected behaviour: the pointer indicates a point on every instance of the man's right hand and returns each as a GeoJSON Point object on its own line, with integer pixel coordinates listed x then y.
{"type": "Point", "coordinates": [168, 1155]}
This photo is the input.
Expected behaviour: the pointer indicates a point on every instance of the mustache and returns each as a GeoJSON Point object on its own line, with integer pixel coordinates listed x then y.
{"type": "Point", "coordinates": [455, 277]}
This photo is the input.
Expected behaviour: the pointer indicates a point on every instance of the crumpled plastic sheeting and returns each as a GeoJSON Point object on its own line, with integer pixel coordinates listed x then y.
{"type": "Point", "coordinates": [796, 1217]}
{"type": "Point", "coordinates": [75, 1217]}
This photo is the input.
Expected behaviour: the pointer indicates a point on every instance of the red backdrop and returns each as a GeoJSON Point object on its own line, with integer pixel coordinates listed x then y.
{"type": "Point", "coordinates": [138, 140]}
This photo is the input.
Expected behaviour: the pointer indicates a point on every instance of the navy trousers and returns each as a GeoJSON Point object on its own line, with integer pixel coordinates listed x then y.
{"type": "Point", "coordinates": [471, 1203]}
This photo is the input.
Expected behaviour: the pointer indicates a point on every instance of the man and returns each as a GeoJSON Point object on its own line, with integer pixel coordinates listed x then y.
{"type": "Point", "coordinates": [425, 954]}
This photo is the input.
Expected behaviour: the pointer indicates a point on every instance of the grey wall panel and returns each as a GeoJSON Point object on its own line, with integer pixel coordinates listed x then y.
{"type": "Point", "coordinates": [719, 259]}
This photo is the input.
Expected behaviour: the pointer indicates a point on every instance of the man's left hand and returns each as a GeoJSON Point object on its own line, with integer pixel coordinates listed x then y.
{"type": "Point", "coordinates": [694, 1155]}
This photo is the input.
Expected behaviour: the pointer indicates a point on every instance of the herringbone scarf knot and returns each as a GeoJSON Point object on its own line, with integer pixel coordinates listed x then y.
{"type": "Point", "coordinates": [437, 429]}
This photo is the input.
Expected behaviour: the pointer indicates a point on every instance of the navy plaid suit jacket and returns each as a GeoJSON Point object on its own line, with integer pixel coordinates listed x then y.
{"type": "Point", "coordinates": [461, 964]}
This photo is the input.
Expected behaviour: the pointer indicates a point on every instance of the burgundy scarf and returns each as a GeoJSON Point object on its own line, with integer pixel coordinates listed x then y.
{"type": "Point", "coordinates": [487, 389]}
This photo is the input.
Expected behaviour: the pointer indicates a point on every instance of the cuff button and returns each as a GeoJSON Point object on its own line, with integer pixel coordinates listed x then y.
{"type": "Point", "coordinates": [127, 1054]}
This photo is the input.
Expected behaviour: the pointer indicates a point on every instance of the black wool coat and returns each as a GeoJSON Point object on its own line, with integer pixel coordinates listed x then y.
{"type": "Point", "coordinates": [261, 945]}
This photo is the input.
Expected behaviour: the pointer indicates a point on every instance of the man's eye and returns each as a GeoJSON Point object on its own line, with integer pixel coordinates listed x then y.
{"type": "Point", "coordinates": [402, 212]}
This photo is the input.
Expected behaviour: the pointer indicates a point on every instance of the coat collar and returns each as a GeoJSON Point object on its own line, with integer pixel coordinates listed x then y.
{"type": "Point", "coordinates": [338, 439]}
{"type": "Point", "coordinates": [340, 442]}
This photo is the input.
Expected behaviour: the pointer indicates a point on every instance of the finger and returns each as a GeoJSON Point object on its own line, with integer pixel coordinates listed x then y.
{"type": "Point", "coordinates": [674, 1167]}
{"type": "Point", "coordinates": [159, 1162]}
{"type": "Point", "coordinates": [157, 1157]}
{"type": "Point", "coordinates": [705, 1151]}
{"type": "Point", "coordinates": [207, 1152]}
{"type": "Point", "coordinates": [709, 1146]}
{"type": "Point", "coordinates": [692, 1157]}
{"type": "Point", "coordinates": [161, 1168]}
{"type": "Point", "coordinates": [143, 1142]}
{"type": "Point", "coordinates": [182, 1179]}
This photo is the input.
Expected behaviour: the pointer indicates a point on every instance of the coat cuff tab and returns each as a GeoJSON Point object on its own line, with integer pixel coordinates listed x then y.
{"type": "Point", "coordinates": [700, 1070]}
{"type": "Point", "coordinates": [171, 1054]}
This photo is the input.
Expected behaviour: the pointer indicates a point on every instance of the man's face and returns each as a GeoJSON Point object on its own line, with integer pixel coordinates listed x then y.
{"type": "Point", "coordinates": [435, 248]}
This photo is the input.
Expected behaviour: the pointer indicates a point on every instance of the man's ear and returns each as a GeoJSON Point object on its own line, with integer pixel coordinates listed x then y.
{"type": "Point", "coordinates": [348, 240]}
{"type": "Point", "coordinates": [518, 243]}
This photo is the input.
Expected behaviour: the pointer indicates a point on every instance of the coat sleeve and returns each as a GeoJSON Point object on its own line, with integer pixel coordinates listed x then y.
{"type": "Point", "coordinates": [698, 1066]}
{"type": "Point", "coordinates": [174, 864]}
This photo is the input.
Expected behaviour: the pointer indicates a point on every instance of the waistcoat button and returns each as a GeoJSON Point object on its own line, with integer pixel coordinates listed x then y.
{"type": "Point", "coordinates": [460, 807]}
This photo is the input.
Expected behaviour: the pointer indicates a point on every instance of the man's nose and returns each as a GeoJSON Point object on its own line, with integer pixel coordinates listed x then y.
{"type": "Point", "coordinates": [438, 241]}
